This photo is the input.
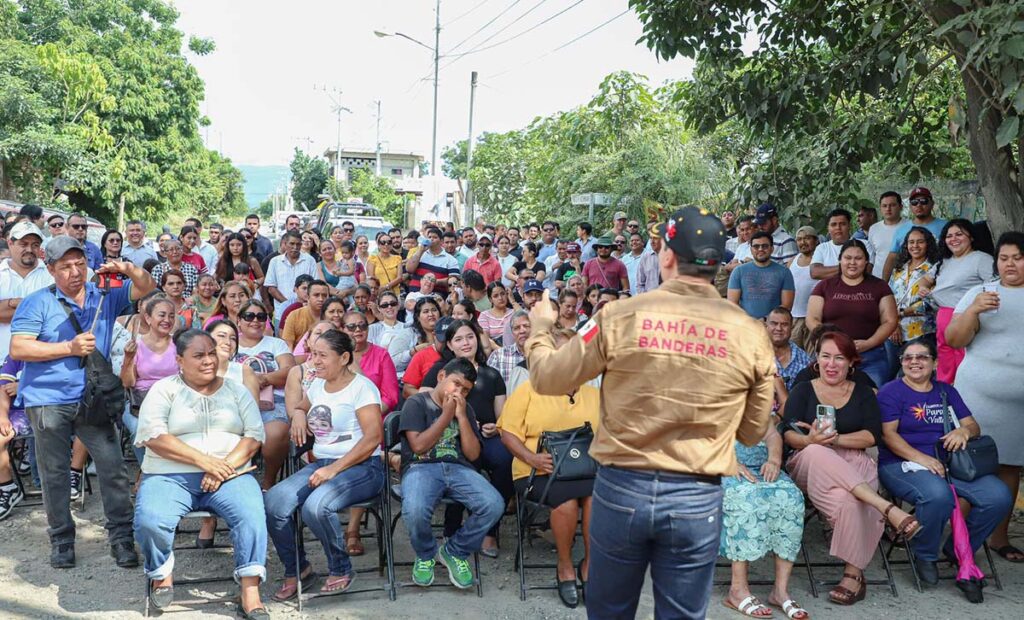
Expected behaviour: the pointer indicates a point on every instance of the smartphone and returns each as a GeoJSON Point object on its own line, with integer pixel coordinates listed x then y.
{"type": "Point", "coordinates": [991, 287]}
{"type": "Point", "coordinates": [825, 416]}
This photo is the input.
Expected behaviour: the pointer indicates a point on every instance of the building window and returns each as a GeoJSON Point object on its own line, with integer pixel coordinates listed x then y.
{"type": "Point", "coordinates": [396, 172]}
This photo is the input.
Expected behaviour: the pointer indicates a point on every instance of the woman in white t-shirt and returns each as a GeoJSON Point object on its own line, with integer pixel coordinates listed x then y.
{"type": "Point", "coordinates": [341, 409]}
{"type": "Point", "coordinates": [271, 359]}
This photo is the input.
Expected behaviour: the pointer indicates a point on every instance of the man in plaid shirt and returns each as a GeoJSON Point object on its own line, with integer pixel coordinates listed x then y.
{"type": "Point", "coordinates": [507, 357]}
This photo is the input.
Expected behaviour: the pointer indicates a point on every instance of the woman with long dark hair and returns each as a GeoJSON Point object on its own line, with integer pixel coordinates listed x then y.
{"type": "Point", "coordinates": [236, 252]}
{"type": "Point", "coordinates": [909, 283]}
{"type": "Point", "coordinates": [960, 268]}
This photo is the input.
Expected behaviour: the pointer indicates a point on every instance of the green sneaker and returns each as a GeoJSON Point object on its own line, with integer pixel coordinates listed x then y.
{"type": "Point", "coordinates": [423, 572]}
{"type": "Point", "coordinates": [459, 572]}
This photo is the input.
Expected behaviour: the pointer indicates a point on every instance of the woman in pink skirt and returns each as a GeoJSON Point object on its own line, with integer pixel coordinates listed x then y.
{"type": "Point", "coordinates": [830, 466]}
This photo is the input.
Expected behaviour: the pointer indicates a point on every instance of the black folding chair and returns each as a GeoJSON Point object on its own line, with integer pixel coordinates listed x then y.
{"type": "Point", "coordinates": [21, 444]}
{"type": "Point", "coordinates": [379, 508]}
{"type": "Point", "coordinates": [394, 488]}
{"type": "Point", "coordinates": [813, 512]}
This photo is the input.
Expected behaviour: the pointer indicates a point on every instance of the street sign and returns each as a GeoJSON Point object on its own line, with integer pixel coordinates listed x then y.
{"type": "Point", "coordinates": [591, 199]}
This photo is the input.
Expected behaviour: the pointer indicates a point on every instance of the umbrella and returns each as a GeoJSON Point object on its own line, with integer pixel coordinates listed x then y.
{"type": "Point", "coordinates": [968, 571]}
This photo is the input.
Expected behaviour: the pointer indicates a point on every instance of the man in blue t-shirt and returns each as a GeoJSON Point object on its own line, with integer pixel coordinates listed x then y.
{"type": "Point", "coordinates": [763, 284]}
{"type": "Point", "coordinates": [53, 385]}
{"type": "Point", "coordinates": [921, 206]}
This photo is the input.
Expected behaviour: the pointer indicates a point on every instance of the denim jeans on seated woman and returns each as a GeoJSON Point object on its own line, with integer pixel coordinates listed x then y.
{"type": "Point", "coordinates": [320, 507]}
{"type": "Point", "coordinates": [875, 363]}
{"type": "Point", "coordinates": [988, 496]}
{"type": "Point", "coordinates": [164, 498]}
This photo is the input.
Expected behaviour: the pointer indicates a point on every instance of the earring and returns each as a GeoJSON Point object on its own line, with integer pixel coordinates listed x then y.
{"type": "Point", "coordinates": [816, 368]}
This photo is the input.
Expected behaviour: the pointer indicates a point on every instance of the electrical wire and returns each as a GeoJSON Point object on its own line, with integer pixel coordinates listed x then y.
{"type": "Point", "coordinates": [481, 28]}
{"type": "Point", "coordinates": [477, 6]}
{"type": "Point", "coordinates": [513, 37]}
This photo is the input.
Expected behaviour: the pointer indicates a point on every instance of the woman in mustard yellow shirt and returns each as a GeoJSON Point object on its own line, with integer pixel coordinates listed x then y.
{"type": "Point", "coordinates": [525, 416]}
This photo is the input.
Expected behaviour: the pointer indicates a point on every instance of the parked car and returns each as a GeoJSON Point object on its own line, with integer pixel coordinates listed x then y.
{"type": "Point", "coordinates": [367, 220]}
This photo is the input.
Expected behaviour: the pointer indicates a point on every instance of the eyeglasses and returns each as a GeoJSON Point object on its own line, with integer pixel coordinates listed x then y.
{"type": "Point", "coordinates": [387, 304]}
{"type": "Point", "coordinates": [548, 229]}
{"type": "Point", "coordinates": [761, 246]}
{"type": "Point", "coordinates": [113, 240]}
{"type": "Point", "coordinates": [919, 201]}
{"type": "Point", "coordinates": [56, 224]}
{"type": "Point", "coordinates": [356, 327]}
{"type": "Point", "coordinates": [79, 226]}
{"type": "Point", "coordinates": [920, 357]}
{"type": "Point", "coordinates": [254, 316]}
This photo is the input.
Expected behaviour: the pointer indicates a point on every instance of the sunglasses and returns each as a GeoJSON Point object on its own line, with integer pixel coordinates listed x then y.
{"type": "Point", "coordinates": [356, 327]}
{"type": "Point", "coordinates": [761, 246]}
{"type": "Point", "coordinates": [484, 245]}
{"type": "Point", "coordinates": [384, 242]}
{"type": "Point", "coordinates": [549, 230]}
{"type": "Point", "coordinates": [919, 201]}
{"type": "Point", "coordinates": [56, 224]}
{"type": "Point", "coordinates": [113, 240]}
{"type": "Point", "coordinates": [388, 304]}
{"type": "Point", "coordinates": [254, 316]}
{"type": "Point", "coordinates": [79, 226]}
{"type": "Point", "coordinates": [348, 230]}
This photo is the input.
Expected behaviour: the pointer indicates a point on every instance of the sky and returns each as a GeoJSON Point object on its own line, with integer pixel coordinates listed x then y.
{"type": "Point", "coordinates": [277, 66]}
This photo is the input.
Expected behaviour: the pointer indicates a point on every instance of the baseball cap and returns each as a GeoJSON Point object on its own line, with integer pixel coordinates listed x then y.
{"type": "Point", "coordinates": [25, 228]}
{"type": "Point", "coordinates": [764, 212]}
{"type": "Point", "coordinates": [532, 285]}
{"type": "Point", "coordinates": [806, 230]}
{"type": "Point", "coordinates": [619, 215]}
{"type": "Point", "coordinates": [695, 236]}
{"type": "Point", "coordinates": [606, 242]}
{"type": "Point", "coordinates": [572, 247]}
{"type": "Point", "coordinates": [920, 191]}
{"type": "Point", "coordinates": [484, 236]}
{"type": "Point", "coordinates": [442, 326]}
{"type": "Point", "coordinates": [59, 246]}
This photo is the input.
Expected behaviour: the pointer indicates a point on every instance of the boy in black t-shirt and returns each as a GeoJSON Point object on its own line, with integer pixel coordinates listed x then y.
{"type": "Point", "coordinates": [439, 439]}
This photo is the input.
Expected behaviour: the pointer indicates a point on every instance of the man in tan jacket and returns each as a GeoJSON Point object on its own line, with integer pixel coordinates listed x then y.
{"type": "Point", "coordinates": [685, 374]}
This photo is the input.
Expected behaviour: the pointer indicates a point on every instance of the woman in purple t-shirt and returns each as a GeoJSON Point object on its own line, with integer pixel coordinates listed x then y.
{"type": "Point", "coordinates": [911, 427]}
{"type": "Point", "coordinates": [861, 305]}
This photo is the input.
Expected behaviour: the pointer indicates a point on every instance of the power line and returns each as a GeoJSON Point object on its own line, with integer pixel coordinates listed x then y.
{"type": "Point", "coordinates": [478, 48]}
{"type": "Point", "coordinates": [481, 28]}
{"type": "Point", "coordinates": [560, 47]}
{"type": "Point", "coordinates": [478, 5]}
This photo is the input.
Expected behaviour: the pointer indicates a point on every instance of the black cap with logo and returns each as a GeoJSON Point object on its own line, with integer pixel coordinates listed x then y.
{"type": "Point", "coordinates": [695, 236]}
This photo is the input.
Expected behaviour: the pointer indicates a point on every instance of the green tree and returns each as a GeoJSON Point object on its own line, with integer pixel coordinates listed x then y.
{"type": "Point", "coordinates": [378, 192]}
{"type": "Point", "coordinates": [309, 178]}
{"type": "Point", "coordinates": [835, 85]}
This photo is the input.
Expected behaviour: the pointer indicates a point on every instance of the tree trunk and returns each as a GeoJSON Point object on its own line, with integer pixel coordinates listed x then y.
{"type": "Point", "coordinates": [1004, 204]}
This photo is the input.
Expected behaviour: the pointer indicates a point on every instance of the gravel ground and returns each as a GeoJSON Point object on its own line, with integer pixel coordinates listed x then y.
{"type": "Point", "coordinates": [29, 588]}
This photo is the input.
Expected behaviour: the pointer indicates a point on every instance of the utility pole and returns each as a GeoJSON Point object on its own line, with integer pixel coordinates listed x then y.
{"type": "Point", "coordinates": [334, 94]}
{"type": "Point", "coordinates": [378, 137]}
{"type": "Point", "coordinates": [470, 216]}
{"type": "Point", "coordinates": [437, 58]}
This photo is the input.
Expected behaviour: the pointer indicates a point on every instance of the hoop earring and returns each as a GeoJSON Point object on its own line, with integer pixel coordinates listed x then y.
{"type": "Point", "coordinates": [816, 368]}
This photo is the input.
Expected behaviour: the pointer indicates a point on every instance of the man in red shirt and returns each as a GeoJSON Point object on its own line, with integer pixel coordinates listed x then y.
{"type": "Point", "coordinates": [421, 363]}
{"type": "Point", "coordinates": [605, 270]}
{"type": "Point", "coordinates": [483, 262]}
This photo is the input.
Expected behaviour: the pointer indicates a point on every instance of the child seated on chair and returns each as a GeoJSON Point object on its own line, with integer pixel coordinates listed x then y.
{"type": "Point", "coordinates": [439, 441]}
{"type": "Point", "coordinates": [13, 423]}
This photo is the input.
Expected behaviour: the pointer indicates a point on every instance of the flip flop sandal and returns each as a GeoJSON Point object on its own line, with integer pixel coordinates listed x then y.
{"type": "Point", "coordinates": [1006, 550]}
{"type": "Point", "coordinates": [339, 590]}
{"type": "Point", "coordinates": [749, 607]}
{"type": "Point", "coordinates": [308, 582]}
{"type": "Point", "coordinates": [792, 609]}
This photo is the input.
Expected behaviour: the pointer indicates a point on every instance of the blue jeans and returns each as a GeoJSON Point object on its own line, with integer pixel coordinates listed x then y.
{"type": "Point", "coordinates": [670, 521]}
{"type": "Point", "coordinates": [164, 498]}
{"type": "Point", "coordinates": [131, 424]}
{"type": "Point", "coordinates": [423, 486]}
{"type": "Point", "coordinates": [875, 363]}
{"type": "Point", "coordinates": [496, 460]}
{"type": "Point", "coordinates": [320, 506]}
{"type": "Point", "coordinates": [989, 499]}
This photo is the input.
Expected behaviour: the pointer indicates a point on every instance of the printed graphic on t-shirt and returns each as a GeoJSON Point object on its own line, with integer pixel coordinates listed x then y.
{"type": "Point", "coordinates": [446, 447]}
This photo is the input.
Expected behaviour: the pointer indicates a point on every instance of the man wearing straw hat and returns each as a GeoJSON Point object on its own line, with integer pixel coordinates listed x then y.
{"type": "Point", "coordinates": [52, 387]}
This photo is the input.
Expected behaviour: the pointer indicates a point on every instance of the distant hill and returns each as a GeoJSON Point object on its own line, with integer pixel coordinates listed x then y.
{"type": "Point", "coordinates": [262, 181]}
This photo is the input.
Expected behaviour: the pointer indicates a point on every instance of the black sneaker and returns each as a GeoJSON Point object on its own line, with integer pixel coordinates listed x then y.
{"type": "Point", "coordinates": [124, 554]}
{"type": "Point", "coordinates": [21, 460]}
{"type": "Point", "coordinates": [928, 572]}
{"type": "Point", "coordinates": [8, 500]}
{"type": "Point", "coordinates": [63, 556]}
{"type": "Point", "coordinates": [76, 485]}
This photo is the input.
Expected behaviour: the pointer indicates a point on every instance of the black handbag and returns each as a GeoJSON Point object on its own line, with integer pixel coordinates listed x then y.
{"type": "Point", "coordinates": [979, 458]}
{"type": "Point", "coordinates": [103, 399]}
{"type": "Point", "coordinates": [570, 457]}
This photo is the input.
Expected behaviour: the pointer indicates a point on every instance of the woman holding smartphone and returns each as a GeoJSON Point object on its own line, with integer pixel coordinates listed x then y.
{"type": "Point", "coordinates": [830, 465]}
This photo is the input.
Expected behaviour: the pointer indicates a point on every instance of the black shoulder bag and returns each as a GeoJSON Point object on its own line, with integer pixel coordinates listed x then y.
{"type": "Point", "coordinates": [103, 400]}
{"type": "Point", "coordinates": [570, 456]}
{"type": "Point", "coordinates": [979, 458]}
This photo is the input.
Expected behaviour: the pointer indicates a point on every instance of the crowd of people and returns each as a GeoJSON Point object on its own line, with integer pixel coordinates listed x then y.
{"type": "Point", "coordinates": [232, 348]}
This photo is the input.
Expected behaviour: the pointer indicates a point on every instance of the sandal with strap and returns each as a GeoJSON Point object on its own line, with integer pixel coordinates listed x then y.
{"type": "Point", "coordinates": [749, 607]}
{"type": "Point", "coordinates": [288, 591]}
{"type": "Point", "coordinates": [792, 609]}
{"type": "Point", "coordinates": [908, 528]}
{"type": "Point", "coordinates": [841, 595]}
{"type": "Point", "coordinates": [354, 545]}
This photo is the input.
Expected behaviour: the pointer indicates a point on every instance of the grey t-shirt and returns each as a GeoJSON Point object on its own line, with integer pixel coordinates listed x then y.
{"type": "Point", "coordinates": [958, 275]}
